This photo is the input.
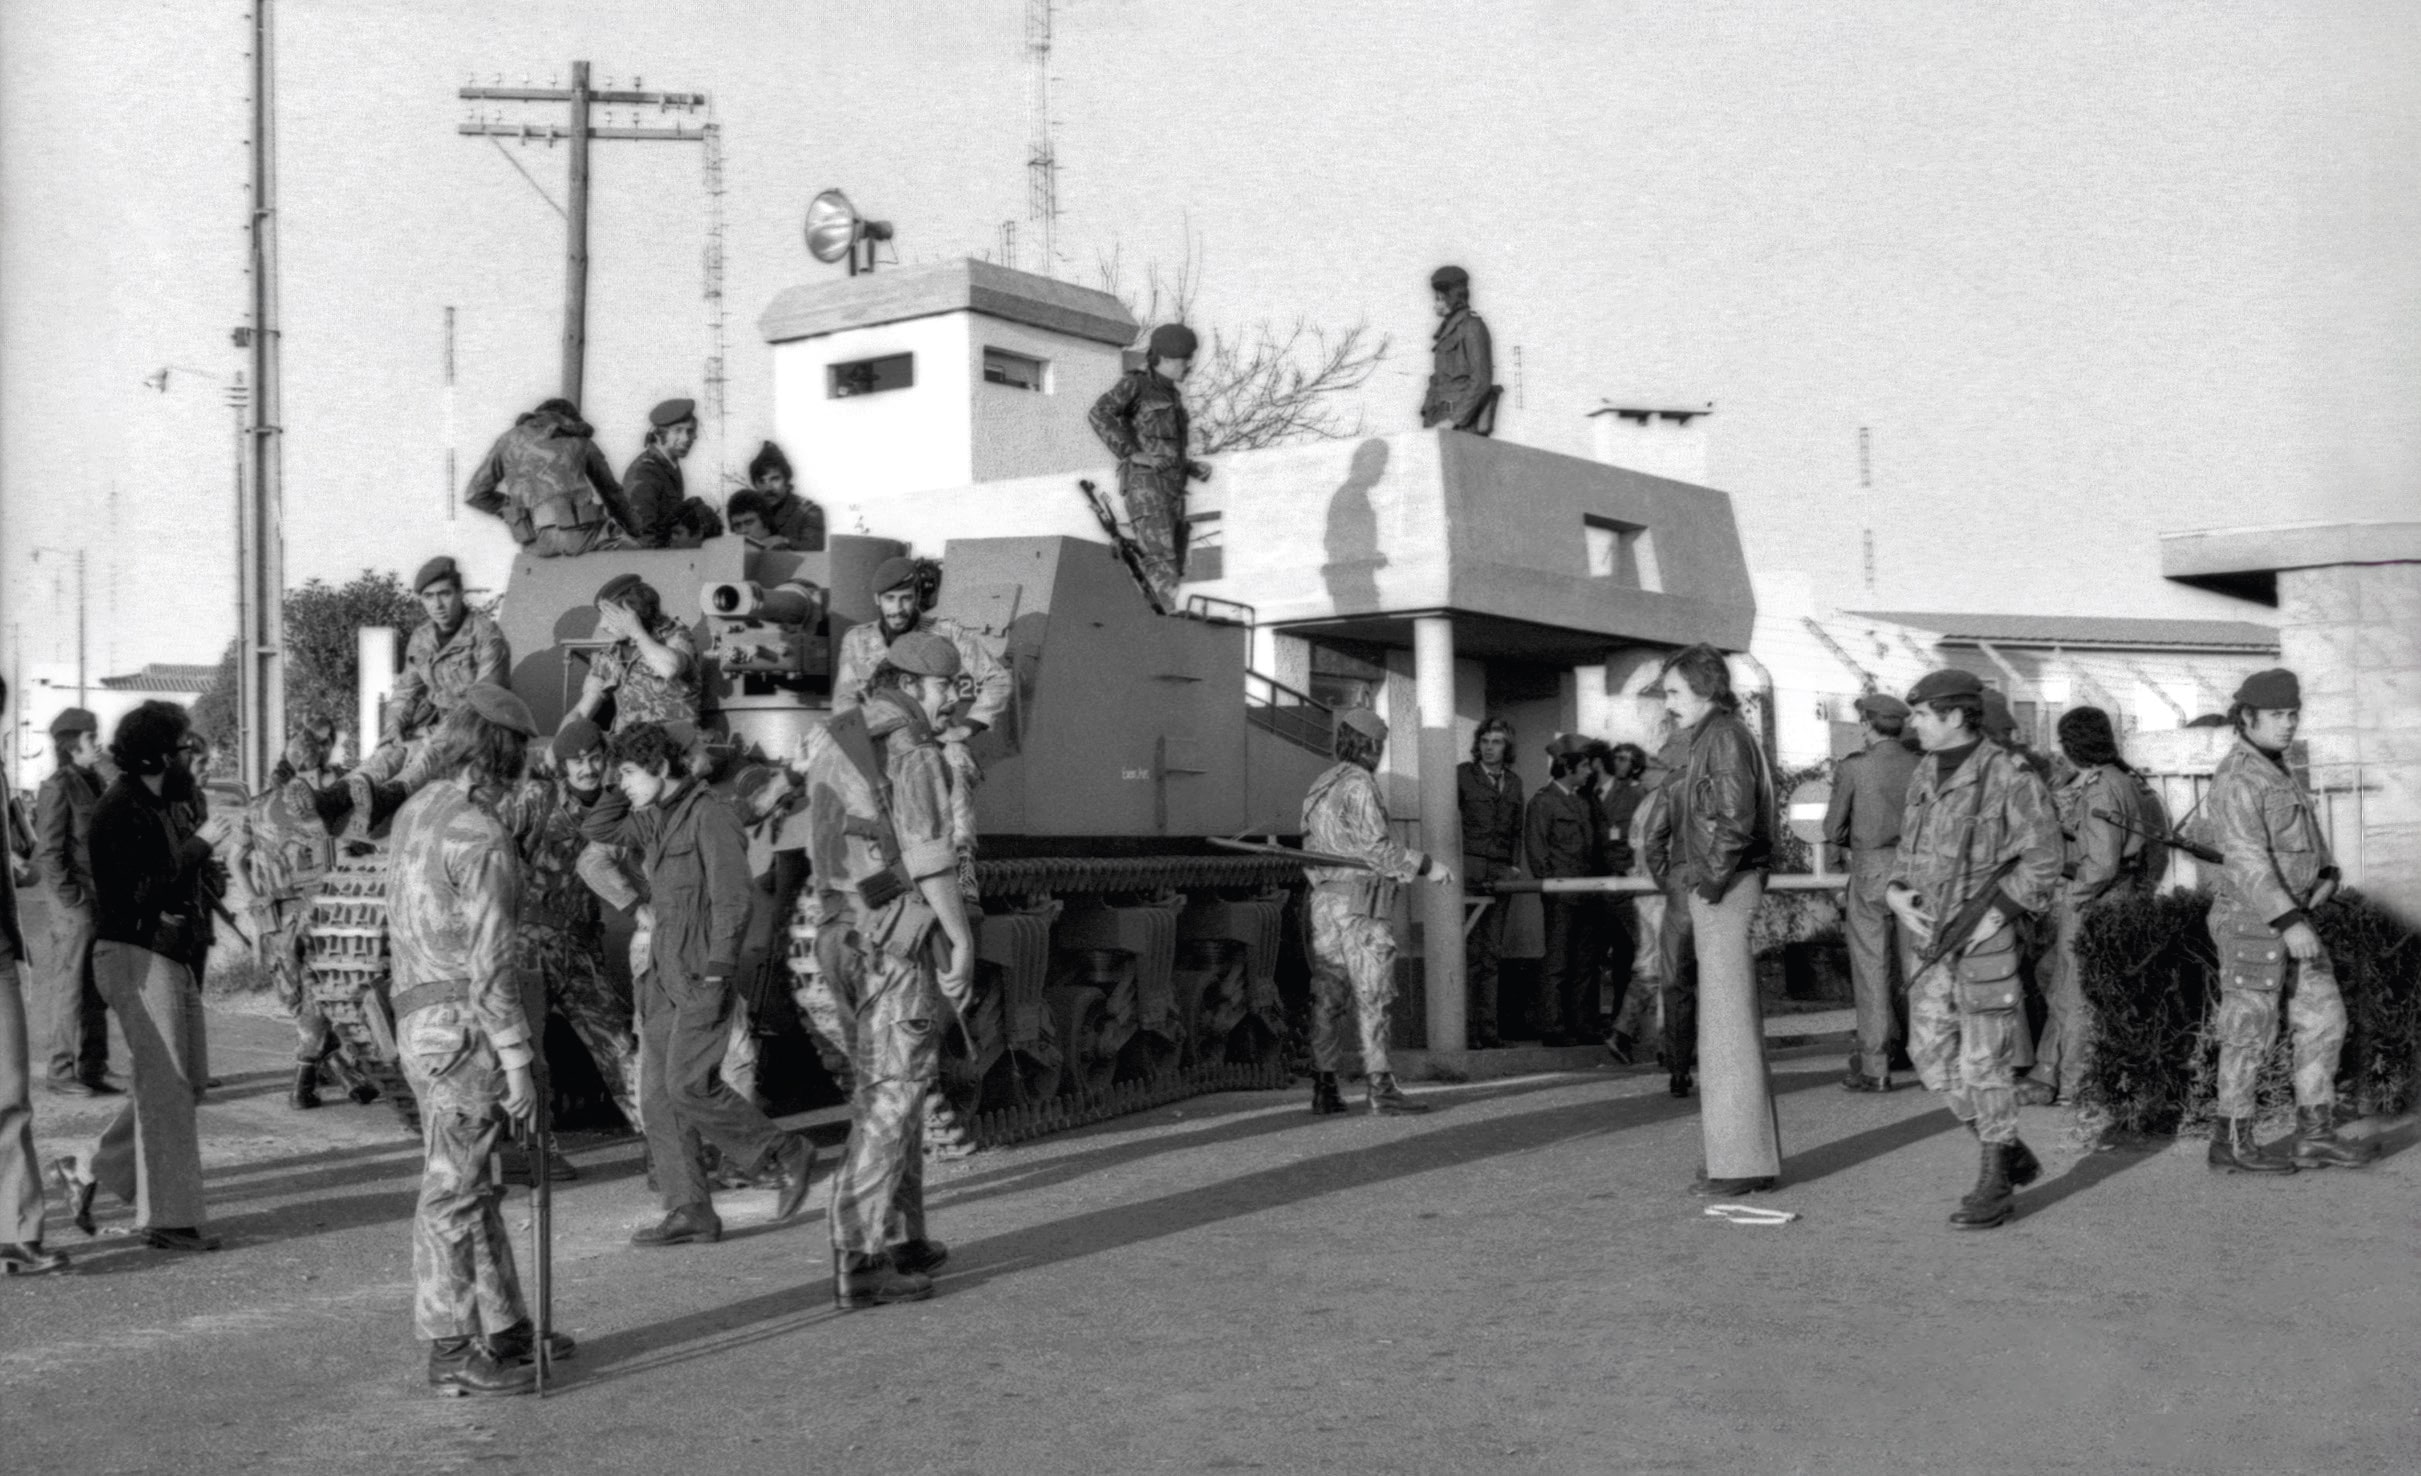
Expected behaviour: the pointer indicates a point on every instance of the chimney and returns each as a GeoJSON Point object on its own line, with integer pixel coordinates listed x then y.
{"type": "Point", "coordinates": [1662, 440]}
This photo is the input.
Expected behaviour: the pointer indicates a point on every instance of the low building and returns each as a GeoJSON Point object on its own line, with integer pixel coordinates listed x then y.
{"type": "Point", "coordinates": [50, 689]}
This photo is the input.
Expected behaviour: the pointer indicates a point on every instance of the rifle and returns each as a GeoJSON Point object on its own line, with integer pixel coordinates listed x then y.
{"type": "Point", "coordinates": [2171, 839]}
{"type": "Point", "coordinates": [1307, 858]}
{"type": "Point", "coordinates": [538, 1140]}
{"type": "Point", "coordinates": [1125, 545]}
{"type": "Point", "coordinates": [1961, 927]}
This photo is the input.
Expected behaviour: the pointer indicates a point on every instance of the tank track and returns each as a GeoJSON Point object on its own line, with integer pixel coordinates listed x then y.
{"type": "Point", "coordinates": [347, 959]}
{"type": "Point", "coordinates": [1028, 876]}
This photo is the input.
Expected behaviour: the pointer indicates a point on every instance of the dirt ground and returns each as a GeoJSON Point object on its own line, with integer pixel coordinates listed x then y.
{"type": "Point", "coordinates": [1514, 1283]}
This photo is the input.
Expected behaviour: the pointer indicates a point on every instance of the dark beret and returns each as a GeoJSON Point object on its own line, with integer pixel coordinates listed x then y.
{"type": "Point", "coordinates": [924, 653]}
{"type": "Point", "coordinates": [672, 412]}
{"type": "Point", "coordinates": [1936, 685]}
{"type": "Point", "coordinates": [440, 567]}
{"type": "Point", "coordinates": [1448, 276]}
{"type": "Point", "coordinates": [615, 590]}
{"type": "Point", "coordinates": [1881, 705]}
{"type": "Point", "coordinates": [1365, 722]}
{"type": "Point", "coordinates": [74, 720]}
{"type": "Point", "coordinates": [502, 708]}
{"type": "Point", "coordinates": [891, 573]}
{"type": "Point", "coordinates": [577, 736]}
{"type": "Point", "coordinates": [2274, 688]}
{"type": "Point", "coordinates": [1173, 341]}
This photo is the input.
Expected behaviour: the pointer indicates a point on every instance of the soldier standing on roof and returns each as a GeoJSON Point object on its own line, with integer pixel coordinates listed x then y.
{"type": "Point", "coordinates": [548, 481]}
{"type": "Point", "coordinates": [1462, 392]}
{"type": "Point", "coordinates": [663, 514]}
{"type": "Point", "coordinates": [1352, 942]}
{"type": "Point", "coordinates": [1143, 422]}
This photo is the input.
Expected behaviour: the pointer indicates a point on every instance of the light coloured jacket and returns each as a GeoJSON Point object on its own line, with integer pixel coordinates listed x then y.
{"type": "Point", "coordinates": [1342, 816]}
{"type": "Point", "coordinates": [437, 672]}
{"type": "Point", "coordinates": [2260, 818]}
{"type": "Point", "coordinates": [1957, 832]}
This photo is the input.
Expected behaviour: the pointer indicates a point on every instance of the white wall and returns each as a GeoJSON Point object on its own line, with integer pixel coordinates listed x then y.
{"type": "Point", "coordinates": [1022, 433]}
{"type": "Point", "coordinates": [893, 441]}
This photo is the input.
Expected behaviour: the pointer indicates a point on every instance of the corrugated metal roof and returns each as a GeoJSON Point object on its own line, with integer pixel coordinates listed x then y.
{"type": "Point", "coordinates": [162, 676]}
{"type": "Point", "coordinates": [2086, 630]}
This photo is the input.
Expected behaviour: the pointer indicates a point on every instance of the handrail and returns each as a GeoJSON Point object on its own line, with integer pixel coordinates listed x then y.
{"type": "Point", "coordinates": [1297, 717]}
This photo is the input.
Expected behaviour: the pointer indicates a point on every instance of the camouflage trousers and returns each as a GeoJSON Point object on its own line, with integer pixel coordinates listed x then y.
{"type": "Point", "coordinates": [1352, 982]}
{"type": "Point", "coordinates": [284, 941]}
{"type": "Point", "coordinates": [884, 1012]}
{"type": "Point", "coordinates": [1155, 509]}
{"type": "Point", "coordinates": [1964, 1054]}
{"type": "Point", "coordinates": [463, 1276]}
{"type": "Point", "coordinates": [2247, 1027]}
{"type": "Point", "coordinates": [578, 990]}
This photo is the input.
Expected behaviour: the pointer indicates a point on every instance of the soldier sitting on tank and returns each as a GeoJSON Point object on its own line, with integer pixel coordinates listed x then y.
{"type": "Point", "coordinates": [651, 670]}
{"type": "Point", "coordinates": [662, 513]}
{"type": "Point", "coordinates": [552, 486]}
{"type": "Point", "coordinates": [456, 648]}
{"type": "Point", "coordinates": [1142, 420]}
{"type": "Point", "coordinates": [783, 519]}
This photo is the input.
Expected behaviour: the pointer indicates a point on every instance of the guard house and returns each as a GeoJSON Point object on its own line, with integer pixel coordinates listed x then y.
{"type": "Point", "coordinates": [1435, 576]}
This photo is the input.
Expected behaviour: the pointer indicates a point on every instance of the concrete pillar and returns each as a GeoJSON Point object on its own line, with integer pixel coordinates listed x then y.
{"type": "Point", "coordinates": [1441, 908]}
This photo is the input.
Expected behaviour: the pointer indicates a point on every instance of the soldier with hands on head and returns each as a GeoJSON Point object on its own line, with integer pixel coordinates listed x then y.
{"type": "Point", "coordinates": [1489, 795]}
{"type": "Point", "coordinates": [1560, 840]}
{"type": "Point", "coordinates": [650, 672]}
{"type": "Point", "coordinates": [662, 513]}
{"type": "Point", "coordinates": [467, 1046]}
{"type": "Point", "coordinates": [2102, 858]}
{"type": "Point", "coordinates": [1979, 852]}
{"type": "Point", "coordinates": [1462, 388]}
{"type": "Point", "coordinates": [1862, 819]}
{"type": "Point", "coordinates": [1351, 912]}
{"type": "Point", "coordinates": [2277, 872]}
{"type": "Point", "coordinates": [21, 1206]}
{"type": "Point", "coordinates": [894, 947]}
{"type": "Point", "coordinates": [63, 809]}
{"type": "Point", "coordinates": [1142, 420]}
{"type": "Point", "coordinates": [552, 486]}
{"type": "Point", "coordinates": [700, 892]}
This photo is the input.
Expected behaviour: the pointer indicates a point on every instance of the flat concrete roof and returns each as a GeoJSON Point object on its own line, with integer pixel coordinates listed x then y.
{"type": "Point", "coordinates": [2246, 561]}
{"type": "Point", "coordinates": [871, 299]}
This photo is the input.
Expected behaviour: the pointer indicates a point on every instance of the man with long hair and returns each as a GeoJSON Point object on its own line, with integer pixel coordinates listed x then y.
{"type": "Point", "coordinates": [1462, 392]}
{"type": "Point", "coordinates": [2102, 858]}
{"type": "Point", "coordinates": [2278, 871]}
{"type": "Point", "coordinates": [1489, 795]}
{"type": "Point", "coordinates": [1352, 939]}
{"type": "Point", "coordinates": [1979, 852]}
{"type": "Point", "coordinates": [1723, 845]}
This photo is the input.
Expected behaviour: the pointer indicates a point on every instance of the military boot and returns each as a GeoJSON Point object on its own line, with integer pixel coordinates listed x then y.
{"type": "Point", "coordinates": [919, 1257]}
{"type": "Point", "coordinates": [305, 1095]}
{"type": "Point", "coordinates": [519, 1344]}
{"type": "Point", "coordinates": [2024, 1167]}
{"type": "Point", "coordinates": [1326, 1100]}
{"type": "Point", "coordinates": [689, 1222]}
{"type": "Point", "coordinates": [1989, 1204]}
{"type": "Point", "coordinates": [1388, 1100]}
{"type": "Point", "coordinates": [460, 1366]}
{"type": "Point", "coordinates": [2234, 1151]}
{"type": "Point", "coordinates": [2318, 1146]}
{"type": "Point", "coordinates": [861, 1281]}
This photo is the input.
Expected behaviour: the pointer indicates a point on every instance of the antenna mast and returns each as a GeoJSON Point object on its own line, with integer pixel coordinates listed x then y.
{"type": "Point", "coordinates": [1042, 157]}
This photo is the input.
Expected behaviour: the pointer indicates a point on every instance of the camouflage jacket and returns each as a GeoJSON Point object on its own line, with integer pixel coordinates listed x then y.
{"type": "Point", "coordinates": [917, 776]}
{"type": "Point", "coordinates": [1142, 420]}
{"type": "Point", "coordinates": [286, 848]}
{"type": "Point", "coordinates": [2260, 818]}
{"type": "Point", "coordinates": [543, 817]}
{"type": "Point", "coordinates": [1957, 831]}
{"type": "Point", "coordinates": [453, 891]}
{"type": "Point", "coordinates": [546, 473]}
{"type": "Point", "coordinates": [1342, 816]}
{"type": "Point", "coordinates": [439, 669]}
{"type": "Point", "coordinates": [984, 686]}
{"type": "Point", "coordinates": [2097, 851]}
{"type": "Point", "coordinates": [641, 696]}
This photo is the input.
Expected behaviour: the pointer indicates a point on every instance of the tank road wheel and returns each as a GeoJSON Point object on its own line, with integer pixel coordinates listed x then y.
{"type": "Point", "coordinates": [1080, 1016]}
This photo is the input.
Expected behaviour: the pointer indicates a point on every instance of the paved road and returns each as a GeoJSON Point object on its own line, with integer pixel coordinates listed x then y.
{"type": "Point", "coordinates": [1513, 1284]}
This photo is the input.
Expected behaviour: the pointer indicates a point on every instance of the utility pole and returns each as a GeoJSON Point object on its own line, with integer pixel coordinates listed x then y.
{"type": "Point", "coordinates": [1042, 154]}
{"type": "Point", "coordinates": [260, 659]}
{"type": "Point", "coordinates": [581, 98]}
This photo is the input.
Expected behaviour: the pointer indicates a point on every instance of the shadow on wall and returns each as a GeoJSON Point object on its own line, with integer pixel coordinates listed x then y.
{"type": "Point", "coordinates": [1352, 543]}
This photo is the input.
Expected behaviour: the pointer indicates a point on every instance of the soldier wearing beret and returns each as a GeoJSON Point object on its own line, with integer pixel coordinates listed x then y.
{"type": "Point", "coordinates": [662, 513]}
{"type": "Point", "coordinates": [1352, 937]}
{"type": "Point", "coordinates": [1862, 820]}
{"type": "Point", "coordinates": [651, 670]}
{"type": "Point", "coordinates": [1979, 851]}
{"type": "Point", "coordinates": [895, 949]}
{"type": "Point", "coordinates": [1462, 388]}
{"type": "Point", "coordinates": [2277, 872]}
{"type": "Point", "coordinates": [1142, 421]}
{"type": "Point", "coordinates": [79, 1025]}
{"type": "Point", "coordinates": [450, 652]}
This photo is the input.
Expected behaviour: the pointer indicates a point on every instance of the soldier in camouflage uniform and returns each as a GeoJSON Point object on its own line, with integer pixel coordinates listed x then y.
{"type": "Point", "coordinates": [1979, 829]}
{"type": "Point", "coordinates": [1352, 937]}
{"type": "Point", "coordinates": [894, 945]}
{"type": "Point", "coordinates": [453, 650]}
{"type": "Point", "coordinates": [651, 671]}
{"type": "Point", "coordinates": [452, 890]}
{"type": "Point", "coordinates": [1142, 420]}
{"type": "Point", "coordinates": [551, 485]}
{"type": "Point", "coordinates": [2278, 870]}
{"type": "Point", "coordinates": [286, 847]}
{"type": "Point", "coordinates": [560, 938]}
{"type": "Point", "coordinates": [2102, 859]}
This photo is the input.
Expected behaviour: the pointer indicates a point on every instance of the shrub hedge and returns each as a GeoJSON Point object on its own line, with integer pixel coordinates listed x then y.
{"type": "Point", "coordinates": [2148, 969]}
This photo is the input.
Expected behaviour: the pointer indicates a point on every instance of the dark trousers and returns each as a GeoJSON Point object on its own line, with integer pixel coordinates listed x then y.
{"type": "Point", "coordinates": [1617, 926]}
{"type": "Point", "coordinates": [1484, 945]}
{"type": "Point", "coordinates": [78, 1035]}
{"type": "Point", "coordinates": [684, 1027]}
{"type": "Point", "coordinates": [1567, 970]}
{"type": "Point", "coordinates": [1680, 945]}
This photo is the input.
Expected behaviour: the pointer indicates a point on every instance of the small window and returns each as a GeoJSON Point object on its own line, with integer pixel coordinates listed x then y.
{"type": "Point", "coordinates": [1017, 371]}
{"type": "Point", "coordinates": [872, 376]}
{"type": "Point", "coordinates": [1622, 552]}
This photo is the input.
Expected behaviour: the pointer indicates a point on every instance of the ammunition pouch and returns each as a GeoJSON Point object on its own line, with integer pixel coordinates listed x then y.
{"type": "Point", "coordinates": [2256, 963]}
{"type": "Point", "coordinates": [1986, 974]}
{"type": "Point", "coordinates": [879, 889]}
{"type": "Point", "coordinates": [566, 511]}
{"type": "Point", "coordinates": [903, 928]}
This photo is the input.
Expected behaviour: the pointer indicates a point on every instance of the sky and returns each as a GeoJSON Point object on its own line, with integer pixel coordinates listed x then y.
{"type": "Point", "coordinates": [2086, 272]}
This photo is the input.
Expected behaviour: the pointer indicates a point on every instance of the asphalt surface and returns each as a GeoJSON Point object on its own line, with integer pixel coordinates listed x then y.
{"type": "Point", "coordinates": [1515, 1283]}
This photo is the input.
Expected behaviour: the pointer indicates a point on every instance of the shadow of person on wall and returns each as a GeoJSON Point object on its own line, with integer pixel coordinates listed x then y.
{"type": "Point", "coordinates": [1352, 542]}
